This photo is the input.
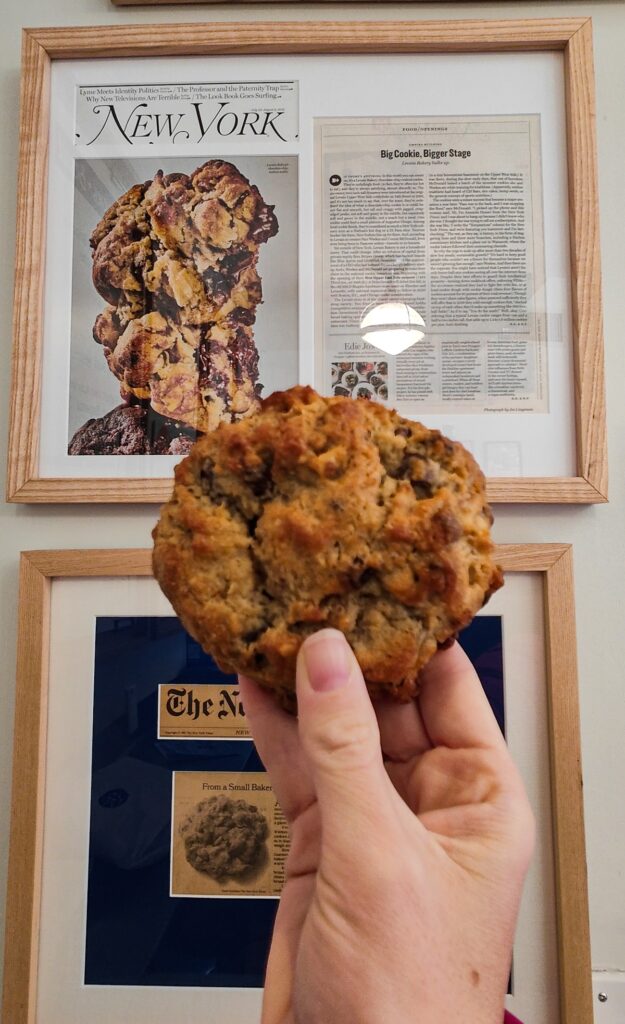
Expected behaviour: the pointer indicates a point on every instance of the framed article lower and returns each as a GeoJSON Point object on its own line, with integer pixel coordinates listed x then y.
{"type": "Point", "coordinates": [211, 212]}
{"type": "Point", "coordinates": [124, 750]}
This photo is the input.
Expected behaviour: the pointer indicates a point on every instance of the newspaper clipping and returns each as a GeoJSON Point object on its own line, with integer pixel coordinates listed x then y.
{"type": "Point", "coordinates": [201, 711]}
{"type": "Point", "coordinates": [229, 836]}
{"type": "Point", "coordinates": [184, 274]}
{"type": "Point", "coordinates": [444, 215]}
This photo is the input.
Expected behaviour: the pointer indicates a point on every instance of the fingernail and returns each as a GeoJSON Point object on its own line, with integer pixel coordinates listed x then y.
{"type": "Point", "coordinates": [326, 658]}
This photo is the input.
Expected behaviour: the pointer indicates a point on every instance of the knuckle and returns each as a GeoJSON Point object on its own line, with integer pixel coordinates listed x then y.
{"type": "Point", "coordinates": [347, 743]}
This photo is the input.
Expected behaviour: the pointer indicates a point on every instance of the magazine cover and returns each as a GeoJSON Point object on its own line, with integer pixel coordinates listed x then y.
{"type": "Point", "coordinates": [184, 268]}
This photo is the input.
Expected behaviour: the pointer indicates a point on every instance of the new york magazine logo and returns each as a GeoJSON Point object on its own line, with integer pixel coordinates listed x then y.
{"type": "Point", "coordinates": [187, 115]}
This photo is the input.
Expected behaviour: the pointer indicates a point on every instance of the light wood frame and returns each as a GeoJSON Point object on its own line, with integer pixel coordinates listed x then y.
{"type": "Point", "coordinates": [38, 571]}
{"type": "Point", "coordinates": [572, 36]}
{"type": "Point", "coordinates": [170, 3]}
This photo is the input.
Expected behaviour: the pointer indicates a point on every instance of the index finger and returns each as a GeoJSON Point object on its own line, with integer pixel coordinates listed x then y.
{"type": "Point", "coordinates": [454, 707]}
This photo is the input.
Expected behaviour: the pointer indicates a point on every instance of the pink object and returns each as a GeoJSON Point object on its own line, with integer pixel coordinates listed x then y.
{"type": "Point", "coordinates": [326, 658]}
{"type": "Point", "coordinates": [509, 1019]}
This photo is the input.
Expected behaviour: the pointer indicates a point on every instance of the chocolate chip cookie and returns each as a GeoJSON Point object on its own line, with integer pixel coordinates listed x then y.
{"type": "Point", "coordinates": [225, 838]}
{"type": "Point", "coordinates": [130, 430]}
{"type": "Point", "coordinates": [196, 375]}
{"type": "Point", "coordinates": [175, 259]}
{"type": "Point", "coordinates": [326, 512]}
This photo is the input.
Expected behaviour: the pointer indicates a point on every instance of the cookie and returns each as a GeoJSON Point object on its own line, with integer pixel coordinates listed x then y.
{"type": "Point", "coordinates": [130, 430]}
{"type": "Point", "coordinates": [225, 838]}
{"type": "Point", "coordinates": [175, 259]}
{"type": "Point", "coordinates": [326, 512]}
{"type": "Point", "coordinates": [194, 375]}
{"type": "Point", "coordinates": [185, 239]}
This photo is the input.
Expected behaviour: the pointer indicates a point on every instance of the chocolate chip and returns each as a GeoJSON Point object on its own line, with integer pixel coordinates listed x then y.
{"type": "Point", "coordinates": [445, 523]}
{"type": "Point", "coordinates": [253, 635]}
{"type": "Point", "coordinates": [207, 475]}
{"type": "Point", "coordinates": [422, 488]}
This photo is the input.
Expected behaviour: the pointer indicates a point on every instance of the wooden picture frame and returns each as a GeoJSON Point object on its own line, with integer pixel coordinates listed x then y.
{"type": "Point", "coordinates": [40, 569]}
{"type": "Point", "coordinates": [170, 3]}
{"type": "Point", "coordinates": [42, 47]}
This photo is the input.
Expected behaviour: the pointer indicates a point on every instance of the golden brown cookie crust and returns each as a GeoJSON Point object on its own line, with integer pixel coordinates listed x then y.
{"type": "Point", "coordinates": [322, 512]}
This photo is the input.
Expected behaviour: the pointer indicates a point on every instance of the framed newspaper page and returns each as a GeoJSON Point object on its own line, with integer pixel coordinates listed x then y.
{"type": "Point", "coordinates": [103, 838]}
{"type": "Point", "coordinates": [211, 212]}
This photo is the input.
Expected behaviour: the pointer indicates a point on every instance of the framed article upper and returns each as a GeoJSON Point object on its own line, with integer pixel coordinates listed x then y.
{"type": "Point", "coordinates": [571, 36]}
{"type": "Point", "coordinates": [552, 563]}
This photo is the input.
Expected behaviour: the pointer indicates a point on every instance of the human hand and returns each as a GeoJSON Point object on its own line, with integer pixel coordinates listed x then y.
{"type": "Point", "coordinates": [410, 839]}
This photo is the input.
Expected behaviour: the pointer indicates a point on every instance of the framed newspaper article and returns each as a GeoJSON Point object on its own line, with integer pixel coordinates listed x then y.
{"type": "Point", "coordinates": [403, 211]}
{"type": "Point", "coordinates": [106, 838]}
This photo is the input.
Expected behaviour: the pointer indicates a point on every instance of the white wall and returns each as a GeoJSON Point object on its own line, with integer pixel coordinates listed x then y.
{"type": "Point", "coordinates": [597, 533]}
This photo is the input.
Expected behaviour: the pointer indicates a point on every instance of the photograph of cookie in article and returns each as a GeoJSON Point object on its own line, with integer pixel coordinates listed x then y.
{"type": "Point", "coordinates": [229, 835]}
{"type": "Point", "coordinates": [184, 296]}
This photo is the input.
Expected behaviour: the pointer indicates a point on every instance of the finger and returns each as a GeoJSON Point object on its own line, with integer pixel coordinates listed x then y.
{"type": "Point", "coordinates": [277, 742]}
{"type": "Point", "coordinates": [402, 732]}
{"type": "Point", "coordinates": [454, 707]}
{"type": "Point", "coordinates": [340, 736]}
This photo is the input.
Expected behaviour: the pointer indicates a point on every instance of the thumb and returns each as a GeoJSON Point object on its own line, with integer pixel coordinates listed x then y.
{"type": "Point", "coordinates": [339, 734]}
